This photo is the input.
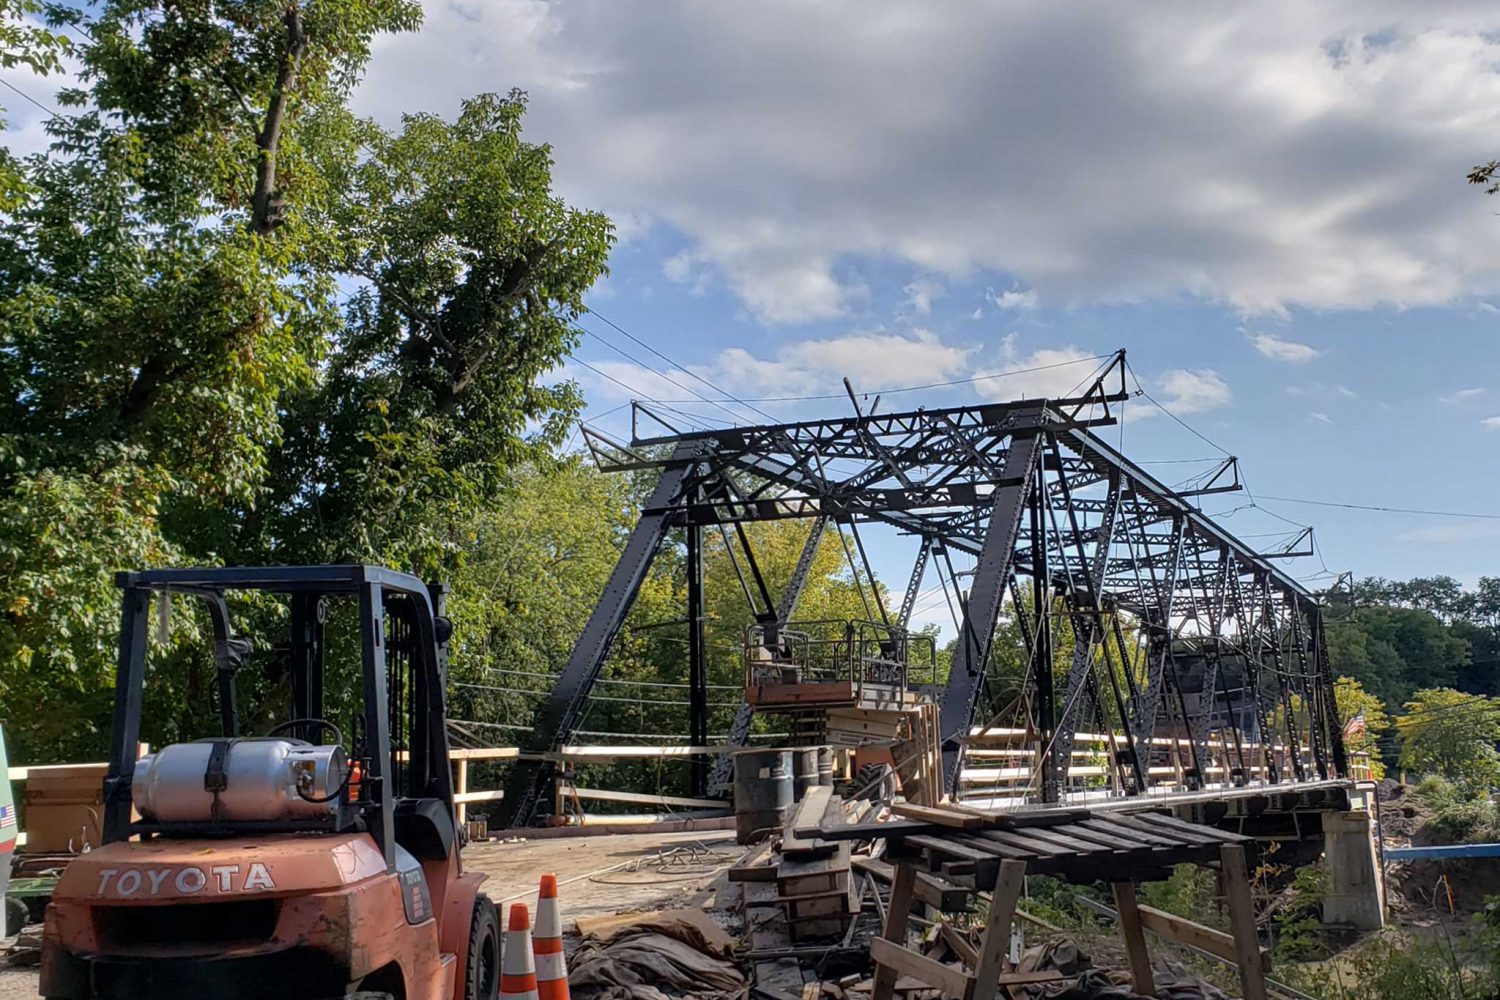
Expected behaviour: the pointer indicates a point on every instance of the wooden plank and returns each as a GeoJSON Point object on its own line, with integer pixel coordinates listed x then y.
{"type": "Point", "coordinates": [1146, 825]}
{"type": "Point", "coordinates": [1135, 941]}
{"type": "Point", "coordinates": [935, 892]}
{"type": "Point", "coordinates": [959, 944]}
{"type": "Point", "coordinates": [952, 847]}
{"type": "Point", "coordinates": [995, 947]}
{"type": "Point", "coordinates": [896, 916]}
{"type": "Point", "coordinates": [1201, 829]}
{"type": "Point", "coordinates": [1184, 931]}
{"type": "Point", "coordinates": [1128, 833]}
{"type": "Point", "coordinates": [940, 816]}
{"type": "Point", "coordinates": [1021, 845]}
{"type": "Point", "coordinates": [1242, 921]}
{"type": "Point", "coordinates": [953, 983]}
{"type": "Point", "coordinates": [640, 798]}
{"type": "Point", "coordinates": [1053, 836]}
{"type": "Point", "coordinates": [1112, 836]}
{"type": "Point", "coordinates": [755, 866]}
{"type": "Point", "coordinates": [868, 831]}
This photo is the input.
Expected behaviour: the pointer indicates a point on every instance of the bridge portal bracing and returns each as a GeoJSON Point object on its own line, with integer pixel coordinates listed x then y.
{"type": "Point", "coordinates": [1125, 607]}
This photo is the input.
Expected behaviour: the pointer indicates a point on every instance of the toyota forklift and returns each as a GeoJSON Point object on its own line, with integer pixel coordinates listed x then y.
{"type": "Point", "coordinates": [317, 859]}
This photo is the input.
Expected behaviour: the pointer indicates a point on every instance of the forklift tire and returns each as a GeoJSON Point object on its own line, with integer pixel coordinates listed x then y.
{"type": "Point", "coordinates": [482, 977]}
{"type": "Point", "coordinates": [17, 915]}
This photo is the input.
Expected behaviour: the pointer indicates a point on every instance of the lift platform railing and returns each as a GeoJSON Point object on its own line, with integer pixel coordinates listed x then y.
{"type": "Point", "coordinates": [848, 656]}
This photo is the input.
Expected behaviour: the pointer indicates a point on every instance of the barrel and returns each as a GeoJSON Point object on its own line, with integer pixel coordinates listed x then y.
{"type": "Point", "coordinates": [804, 769]}
{"type": "Point", "coordinates": [825, 765]}
{"type": "Point", "coordinates": [762, 793]}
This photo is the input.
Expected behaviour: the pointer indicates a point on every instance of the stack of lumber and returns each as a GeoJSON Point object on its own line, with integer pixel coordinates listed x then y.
{"type": "Point", "coordinates": [813, 884]}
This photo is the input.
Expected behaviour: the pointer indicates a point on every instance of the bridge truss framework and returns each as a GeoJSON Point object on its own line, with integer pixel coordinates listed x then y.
{"type": "Point", "coordinates": [1155, 596]}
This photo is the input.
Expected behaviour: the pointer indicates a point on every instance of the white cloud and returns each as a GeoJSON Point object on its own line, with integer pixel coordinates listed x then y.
{"type": "Point", "coordinates": [1347, 392]}
{"type": "Point", "coordinates": [921, 293]}
{"type": "Point", "coordinates": [1321, 417]}
{"type": "Point", "coordinates": [1462, 531]}
{"type": "Point", "coordinates": [871, 360]}
{"type": "Point", "coordinates": [1490, 423]}
{"type": "Point", "coordinates": [1280, 349]}
{"type": "Point", "coordinates": [1015, 298]}
{"type": "Point", "coordinates": [785, 141]}
{"type": "Point", "coordinates": [1049, 372]}
{"type": "Point", "coordinates": [1462, 394]}
{"type": "Point", "coordinates": [1183, 391]}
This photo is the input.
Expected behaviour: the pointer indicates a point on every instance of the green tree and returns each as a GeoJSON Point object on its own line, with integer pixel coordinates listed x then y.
{"type": "Point", "coordinates": [1451, 734]}
{"type": "Point", "coordinates": [1353, 701]}
{"type": "Point", "coordinates": [239, 324]}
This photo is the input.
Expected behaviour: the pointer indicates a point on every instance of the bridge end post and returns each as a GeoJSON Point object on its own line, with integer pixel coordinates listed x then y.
{"type": "Point", "coordinates": [1356, 893]}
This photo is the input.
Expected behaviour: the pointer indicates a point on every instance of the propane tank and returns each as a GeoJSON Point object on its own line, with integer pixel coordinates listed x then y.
{"type": "Point", "coordinates": [265, 780]}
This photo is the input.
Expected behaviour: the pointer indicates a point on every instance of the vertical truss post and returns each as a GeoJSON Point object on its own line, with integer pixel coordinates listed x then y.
{"type": "Point", "coordinates": [1326, 680]}
{"type": "Point", "coordinates": [1042, 659]}
{"type": "Point", "coordinates": [1089, 630]}
{"type": "Point", "coordinates": [697, 661]}
{"type": "Point", "coordinates": [983, 606]}
{"type": "Point", "coordinates": [1159, 625]}
{"type": "Point", "coordinates": [744, 715]}
{"type": "Point", "coordinates": [558, 716]}
{"type": "Point", "coordinates": [1270, 624]}
{"type": "Point", "coordinates": [1312, 691]}
{"type": "Point", "coordinates": [914, 584]}
{"type": "Point", "coordinates": [1250, 658]}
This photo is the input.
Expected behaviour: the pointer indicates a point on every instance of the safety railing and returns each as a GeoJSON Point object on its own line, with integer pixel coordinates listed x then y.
{"type": "Point", "coordinates": [853, 655]}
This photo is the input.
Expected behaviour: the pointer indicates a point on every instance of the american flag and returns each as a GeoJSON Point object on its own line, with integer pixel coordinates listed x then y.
{"type": "Point", "coordinates": [7, 816]}
{"type": "Point", "coordinates": [1356, 725]}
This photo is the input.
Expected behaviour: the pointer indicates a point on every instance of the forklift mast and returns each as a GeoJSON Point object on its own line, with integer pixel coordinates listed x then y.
{"type": "Point", "coordinates": [403, 639]}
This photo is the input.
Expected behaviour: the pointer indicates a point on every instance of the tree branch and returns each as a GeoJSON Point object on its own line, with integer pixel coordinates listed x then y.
{"type": "Point", "coordinates": [266, 207]}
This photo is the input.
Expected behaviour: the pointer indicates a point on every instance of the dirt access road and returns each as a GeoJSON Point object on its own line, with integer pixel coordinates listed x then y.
{"type": "Point", "coordinates": [660, 870]}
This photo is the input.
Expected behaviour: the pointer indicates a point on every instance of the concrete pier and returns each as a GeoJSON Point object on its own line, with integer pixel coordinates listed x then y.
{"type": "Point", "coordinates": [1356, 893]}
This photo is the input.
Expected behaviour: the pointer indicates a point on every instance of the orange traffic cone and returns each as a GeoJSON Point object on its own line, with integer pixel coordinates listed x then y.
{"type": "Point", "coordinates": [517, 967]}
{"type": "Point", "coordinates": [551, 966]}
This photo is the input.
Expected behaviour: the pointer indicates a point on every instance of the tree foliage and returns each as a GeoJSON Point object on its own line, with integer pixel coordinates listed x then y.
{"type": "Point", "coordinates": [1453, 735]}
{"type": "Point", "coordinates": [239, 324]}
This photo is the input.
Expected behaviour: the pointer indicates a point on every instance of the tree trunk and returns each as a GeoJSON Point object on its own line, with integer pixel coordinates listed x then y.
{"type": "Point", "coordinates": [265, 203]}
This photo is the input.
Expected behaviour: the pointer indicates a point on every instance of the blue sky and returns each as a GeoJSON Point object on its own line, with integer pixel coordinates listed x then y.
{"type": "Point", "coordinates": [1264, 204]}
{"type": "Point", "coordinates": [1383, 406]}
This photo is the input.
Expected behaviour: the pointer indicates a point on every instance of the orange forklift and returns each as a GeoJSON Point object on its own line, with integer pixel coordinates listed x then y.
{"type": "Point", "coordinates": [319, 859]}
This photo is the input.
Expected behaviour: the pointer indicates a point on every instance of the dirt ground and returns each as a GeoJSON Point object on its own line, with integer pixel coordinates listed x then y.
{"type": "Point", "coordinates": [660, 871]}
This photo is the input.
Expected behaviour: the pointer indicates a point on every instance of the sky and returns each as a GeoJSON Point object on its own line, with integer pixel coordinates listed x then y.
{"type": "Point", "coordinates": [1264, 205]}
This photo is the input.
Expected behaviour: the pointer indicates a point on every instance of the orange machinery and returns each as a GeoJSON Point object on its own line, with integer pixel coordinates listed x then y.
{"type": "Point", "coordinates": [319, 859]}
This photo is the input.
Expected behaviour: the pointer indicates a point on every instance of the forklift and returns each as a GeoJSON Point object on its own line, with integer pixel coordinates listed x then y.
{"type": "Point", "coordinates": [316, 860]}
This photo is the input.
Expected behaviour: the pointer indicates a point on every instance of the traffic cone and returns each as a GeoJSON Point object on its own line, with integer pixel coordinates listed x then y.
{"type": "Point", "coordinates": [551, 965]}
{"type": "Point", "coordinates": [517, 967]}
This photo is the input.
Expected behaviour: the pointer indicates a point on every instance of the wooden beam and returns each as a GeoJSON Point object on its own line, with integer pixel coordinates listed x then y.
{"type": "Point", "coordinates": [1184, 931]}
{"type": "Point", "coordinates": [895, 929]}
{"type": "Point", "coordinates": [1135, 941]}
{"type": "Point", "coordinates": [950, 818]}
{"type": "Point", "coordinates": [995, 948]}
{"type": "Point", "coordinates": [1242, 921]}
{"type": "Point", "coordinates": [935, 892]}
{"type": "Point", "coordinates": [644, 799]}
{"type": "Point", "coordinates": [953, 983]}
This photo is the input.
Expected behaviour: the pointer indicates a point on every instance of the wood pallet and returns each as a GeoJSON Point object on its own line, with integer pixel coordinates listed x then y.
{"type": "Point", "coordinates": [999, 850]}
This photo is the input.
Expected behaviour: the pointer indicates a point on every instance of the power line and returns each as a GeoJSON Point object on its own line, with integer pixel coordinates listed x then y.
{"type": "Point", "coordinates": [33, 100]}
{"type": "Point", "coordinates": [893, 390]}
{"type": "Point", "coordinates": [683, 368]}
{"type": "Point", "coordinates": [1384, 510]}
{"type": "Point", "coordinates": [637, 361]}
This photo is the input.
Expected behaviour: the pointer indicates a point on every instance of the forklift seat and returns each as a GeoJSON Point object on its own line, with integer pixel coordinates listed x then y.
{"type": "Point", "coordinates": [424, 827]}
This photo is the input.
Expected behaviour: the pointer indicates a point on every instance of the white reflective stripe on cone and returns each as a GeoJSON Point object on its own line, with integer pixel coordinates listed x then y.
{"type": "Point", "coordinates": [517, 960]}
{"type": "Point", "coordinates": [548, 919]}
{"type": "Point", "coordinates": [528, 995]}
{"type": "Point", "coordinates": [551, 967]}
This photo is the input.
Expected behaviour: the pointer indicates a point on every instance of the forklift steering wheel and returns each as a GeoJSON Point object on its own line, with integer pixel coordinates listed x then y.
{"type": "Point", "coordinates": [322, 724]}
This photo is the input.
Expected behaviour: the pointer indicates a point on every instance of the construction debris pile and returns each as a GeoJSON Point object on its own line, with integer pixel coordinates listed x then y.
{"type": "Point", "coordinates": [859, 901]}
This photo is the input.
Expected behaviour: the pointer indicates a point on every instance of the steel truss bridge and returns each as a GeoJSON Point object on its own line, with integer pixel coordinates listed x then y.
{"type": "Point", "coordinates": [1180, 633]}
